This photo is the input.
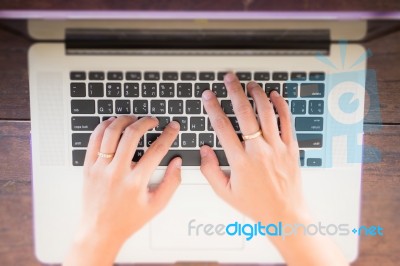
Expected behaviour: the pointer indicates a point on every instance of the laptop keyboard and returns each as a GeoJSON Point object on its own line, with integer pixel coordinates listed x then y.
{"type": "Point", "coordinates": [173, 95]}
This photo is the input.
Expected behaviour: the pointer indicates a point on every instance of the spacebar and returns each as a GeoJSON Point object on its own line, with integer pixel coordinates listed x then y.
{"type": "Point", "coordinates": [191, 157]}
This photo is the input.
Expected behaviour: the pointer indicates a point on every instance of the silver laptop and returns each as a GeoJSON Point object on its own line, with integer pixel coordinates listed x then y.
{"type": "Point", "coordinates": [88, 66]}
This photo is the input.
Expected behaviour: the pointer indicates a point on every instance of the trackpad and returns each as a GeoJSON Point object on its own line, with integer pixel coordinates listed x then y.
{"type": "Point", "coordinates": [195, 218]}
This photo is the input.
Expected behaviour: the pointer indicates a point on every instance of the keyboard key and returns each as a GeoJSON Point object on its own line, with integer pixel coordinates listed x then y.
{"type": "Point", "coordinates": [261, 76]}
{"type": "Point", "coordinates": [114, 75]}
{"type": "Point", "coordinates": [151, 75]}
{"type": "Point", "coordinates": [141, 142]}
{"type": "Point", "coordinates": [188, 140]}
{"type": "Point", "coordinates": [199, 88]}
{"type": "Point", "coordinates": [96, 75]}
{"type": "Point", "coordinates": [207, 76]}
{"type": "Point", "coordinates": [218, 143]}
{"type": "Point", "coordinates": [219, 90]}
{"type": "Point", "coordinates": [314, 162]}
{"type": "Point", "coordinates": [243, 75]}
{"type": "Point", "coordinates": [309, 140]}
{"type": "Point", "coordinates": [188, 76]}
{"type": "Point", "coordinates": [272, 86]}
{"type": "Point", "coordinates": [80, 140]}
{"type": "Point", "coordinates": [170, 76]}
{"type": "Point", "coordinates": [138, 155]}
{"type": "Point", "coordinates": [316, 107]}
{"type": "Point", "coordinates": [189, 157]}
{"type": "Point", "coordinates": [78, 89]}
{"type": "Point", "coordinates": [221, 75]}
{"type": "Point", "coordinates": [197, 123]}
{"type": "Point", "coordinates": [113, 90]}
{"type": "Point", "coordinates": [84, 123]}
{"type": "Point", "coordinates": [149, 89]}
{"type": "Point", "coordinates": [280, 76]}
{"type": "Point", "coordinates": [163, 121]}
{"type": "Point", "coordinates": [193, 106]}
{"type": "Point", "coordinates": [184, 90]}
{"type": "Point", "coordinates": [206, 139]}
{"type": "Point", "coordinates": [83, 106]}
{"type": "Point", "coordinates": [105, 106]}
{"type": "Point", "coordinates": [104, 118]}
{"type": "Point", "coordinates": [209, 126]}
{"type": "Point", "coordinates": [183, 122]}
{"type": "Point", "coordinates": [309, 123]}
{"type": "Point", "coordinates": [175, 144]}
{"type": "Point", "coordinates": [78, 157]}
{"type": "Point", "coordinates": [290, 90]}
{"type": "Point", "coordinates": [131, 89]}
{"type": "Point", "coordinates": [301, 153]}
{"type": "Point", "coordinates": [122, 107]}
{"type": "Point", "coordinates": [317, 76]}
{"type": "Point", "coordinates": [227, 107]}
{"type": "Point", "coordinates": [77, 75]}
{"type": "Point", "coordinates": [223, 161]}
{"type": "Point", "coordinates": [312, 90]}
{"type": "Point", "coordinates": [140, 107]}
{"type": "Point", "coordinates": [151, 137]}
{"type": "Point", "coordinates": [158, 107]}
{"type": "Point", "coordinates": [298, 107]}
{"type": "Point", "coordinates": [166, 90]}
{"type": "Point", "coordinates": [175, 107]}
{"type": "Point", "coordinates": [298, 76]}
{"type": "Point", "coordinates": [133, 75]}
{"type": "Point", "coordinates": [96, 89]}
{"type": "Point", "coordinates": [235, 123]}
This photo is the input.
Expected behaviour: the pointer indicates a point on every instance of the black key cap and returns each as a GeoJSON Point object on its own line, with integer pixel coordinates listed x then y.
{"type": "Point", "coordinates": [314, 162]}
{"type": "Point", "coordinates": [223, 161]}
{"type": "Point", "coordinates": [199, 88]}
{"type": "Point", "coordinates": [309, 123]}
{"type": "Point", "coordinates": [114, 75]}
{"type": "Point", "coordinates": [78, 157]}
{"type": "Point", "coordinates": [317, 76]}
{"type": "Point", "coordinates": [301, 153]}
{"type": "Point", "coordinates": [151, 75]}
{"type": "Point", "coordinates": [261, 76]}
{"type": "Point", "coordinates": [197, 123]}
{"type": "Point", "coordinates": [122, 107]}
{"type": "Point", "coordinates": [151, 137]}
{"type": "Point", "coordinates": [96, 89]}
{"type": "Point", "coordinates": [163, 121]}
{"type": "Point", "coordinates": [149, 89]}
{"type": "Point", "coordinates": [206, 139]}
{"type": "Point", "coordinates": [184, 90]}
{"type": "Point", "coordinates": [113, 90]}
{"type": "Point", "coordinates": [280, 76]}
{"type": "Point", "coordinates": [193, 106]}
{"type": "Point", "coordinates": [191, 157]}
{"type": "Point", "coordinates": [175, 144]}
{"type": "Point", "coordinates": [82, 106]}
{"type": "Point", "coordinates": [175, 107]}
{"type": "Point", "coordinates": [183, 122]}
{"type": "Point", "coordinates": [104, 118]}
{"type": "Point", "coordinates": [78, 89]}
{"type": "Point", "coordinates": [290, 90]}
{"type": "Point", "coordinates": [235, 123]}
{"type": "Point", "coordinates": [221, 75]}
{"type": "Point", "coordinates": [188, 76]}
{"type": "Point", "coordinates": [140, 107]}
{"type": "Point", "coordinates": [77, 75]}
{"type": "Point", "coordinates": [227, 106]}
{"type": "Point", "coordinates": [219, 90]}
{"type": "Point", "coordinates": [131, 89]}
{"type": "Point", "coordinates": [188, 140]}
{"type": "Point", "coordinates": [272, 86]}
{"type": "Point", "coordinates": [207, 76]}
{"type": "Point", "coordinates": [243, 75]}
{"type": "Point", "coordinates": [218, 143]}
{"type": "Point", "coordinates": [141, 142]}
{"type": "Point", "coordinates": [96, 75]}
{"type": "Point", "coordinates": [298, 107]}
{"type": "Point", "coordinates": [158, 107]}
{"type": "Point", "coordinates": [138, 154]}
{"type": "Point", "coordinates": [312, 90]}
{"type": "Point", "coordinates": [166, 90]}
{"type": "Point", "coordinates": [209, 126]}
{"type": "Point", "coordinates": [84, 123]}
{"type": "Point", "coordinates": [240, 136]}
{"type": "Point", "coordinates": [105, 106]}
{"type": "Point", "coordinates": [309, 140]}
{"type": "Point", "coordinates": [133, 75]}
{"type": "Point", "coordinates": [298, 76]}
{"type": "Point", "coordinates": [170, 76]}
{"type": "Point", "coordinates": [80, 140]}
{"type": "Point", "coordinates": [316, 107]}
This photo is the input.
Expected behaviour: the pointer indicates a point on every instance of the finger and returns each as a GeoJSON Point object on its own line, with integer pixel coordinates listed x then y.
{"type": "Point", "coordinates": [284, 117]}
{"type": "Point", "coordinates": [265, 112]}
{"type": "Point", "coordinates": [153, 156]}
{"type": "Point", "coordinates": [222, 126]}
{"type": "Point", "coordinates": [172, 178]}
{"type": "Point", "coordinates": [241, 105]}
{"type": "Point", "coordinates": [213, 173]}
{"type": "Point", "coordinates": [95, 142]}
{"type": "Point", "coordinates": [130, 139]}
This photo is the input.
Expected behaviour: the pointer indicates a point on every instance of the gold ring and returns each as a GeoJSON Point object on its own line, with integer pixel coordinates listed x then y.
{"type": "Point", "coordinates": [105, 155]}
{"type": "Point", "coordinates": [252, 136]}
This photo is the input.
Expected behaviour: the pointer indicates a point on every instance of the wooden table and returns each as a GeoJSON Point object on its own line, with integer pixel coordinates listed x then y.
{"type": "Point", "coordinates": [381, 182]}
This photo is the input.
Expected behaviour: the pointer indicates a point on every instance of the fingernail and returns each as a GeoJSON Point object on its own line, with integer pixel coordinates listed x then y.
{"type": "Point", "coordinates": [207, 95]}
{"type": "Point", "coordinates": [111, 118]}
{"type": "Point", "coordinates": [203, 152]}
{"type": "Point", "coordinates": [252, 84]}
{"type": "Point", "coordinates": [175, 125]}
{"type": "Point", "coordinates": [274, 93]}
{"type": "Point", "coordinates": [230, 76]}
{"type": "Point", "coordinates": [178, 163]}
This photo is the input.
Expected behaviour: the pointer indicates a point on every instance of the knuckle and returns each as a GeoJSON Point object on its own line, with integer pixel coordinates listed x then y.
{"type": "Point", "coordinates": [132, 130]}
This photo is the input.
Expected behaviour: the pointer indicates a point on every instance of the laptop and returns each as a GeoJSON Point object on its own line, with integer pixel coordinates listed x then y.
{"type": "Point", "coordinates": [87, 66]}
